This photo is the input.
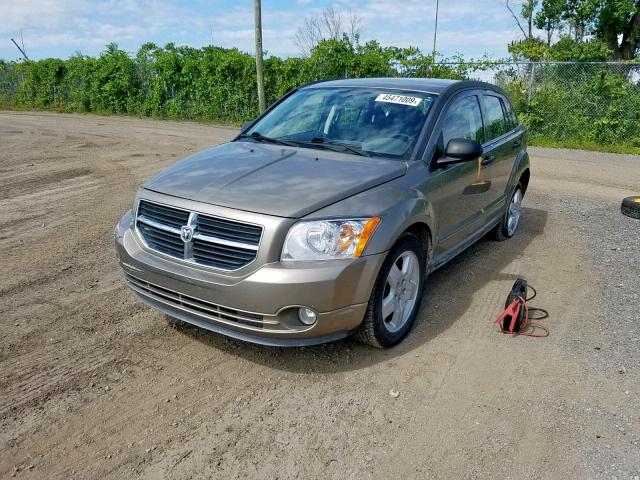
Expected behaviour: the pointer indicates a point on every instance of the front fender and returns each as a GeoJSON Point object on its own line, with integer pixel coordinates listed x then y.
{"type": "Point", "coordinates": [399, 206]}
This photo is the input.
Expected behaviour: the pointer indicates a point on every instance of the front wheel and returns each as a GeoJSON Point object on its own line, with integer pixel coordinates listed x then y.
{"type": "Point", "coordinates": [510, 222]}
{"type": "Point", "coordinates": [396, 296]}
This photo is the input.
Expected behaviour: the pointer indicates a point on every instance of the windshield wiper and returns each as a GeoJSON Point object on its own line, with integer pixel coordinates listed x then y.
{"type": "Point", "coordinates": [316, 142]}
{"type": "Point", "coordinates": [322, 142]}
{"type": "Point", "coordinates": [261, 138]}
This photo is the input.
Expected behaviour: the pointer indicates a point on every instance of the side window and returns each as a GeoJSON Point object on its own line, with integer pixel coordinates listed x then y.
{"type": "Point", "coordinates": [495, 120]}
{"type": "Point", "coordinates": [512, 118]}
{"type": "Point", "coordinates": [462, 120]}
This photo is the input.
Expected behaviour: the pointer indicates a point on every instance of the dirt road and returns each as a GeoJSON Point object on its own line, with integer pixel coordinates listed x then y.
{"type": "Point", "coordinates": [95, 385]}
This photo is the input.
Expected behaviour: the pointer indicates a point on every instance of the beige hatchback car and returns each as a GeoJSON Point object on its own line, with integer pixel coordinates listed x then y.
{"type": "Point", "coordinates": [325, 215]}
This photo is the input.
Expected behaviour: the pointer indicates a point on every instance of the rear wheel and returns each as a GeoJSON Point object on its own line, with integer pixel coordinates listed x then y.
{"type": "Point", "coordinates": [510, 222]}
{"type": "Point", "coordinates": [396, 296]}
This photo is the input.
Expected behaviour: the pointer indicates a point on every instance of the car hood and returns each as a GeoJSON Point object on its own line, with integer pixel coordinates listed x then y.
{"type": "Point", "coordinates": [272, 179]}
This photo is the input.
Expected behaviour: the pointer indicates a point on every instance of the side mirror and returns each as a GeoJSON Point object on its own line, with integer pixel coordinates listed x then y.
{"type": "Point", "coordinates": [460, 150]}
{"type": "Point", "coordinates": [245, 126]}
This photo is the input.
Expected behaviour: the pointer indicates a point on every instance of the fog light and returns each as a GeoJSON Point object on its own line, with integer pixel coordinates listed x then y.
{"type": "Point", "coordinates": [307, 316]}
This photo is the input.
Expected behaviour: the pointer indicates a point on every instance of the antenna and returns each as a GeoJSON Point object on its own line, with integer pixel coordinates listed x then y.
{"type": "Point", "coordinates": [21, 49]}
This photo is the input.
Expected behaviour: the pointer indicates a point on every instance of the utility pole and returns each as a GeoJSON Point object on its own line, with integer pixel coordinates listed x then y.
{"type": "Point", "coordinates": [435, 34]}
{"type": "Point", "coordinates": [260, 74]}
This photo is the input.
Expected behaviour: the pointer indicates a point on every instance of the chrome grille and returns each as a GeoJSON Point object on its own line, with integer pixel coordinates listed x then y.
{"type": "Point", "coordinates": [221, 256]}
{"type": "Point", "coordinates": [201, 307]}
{"type": "Point", "coordinates": [197, 238]}
{"type": "Point", "coordinates": [161, 240]}
{"type": "Point", "coordinates": [162, 214]}
{"type": "Point", "coordinates": [229, 230]}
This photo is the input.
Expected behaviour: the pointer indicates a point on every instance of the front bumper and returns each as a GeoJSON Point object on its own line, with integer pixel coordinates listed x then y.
{"type": "Point", "coordinates": [259, 306]}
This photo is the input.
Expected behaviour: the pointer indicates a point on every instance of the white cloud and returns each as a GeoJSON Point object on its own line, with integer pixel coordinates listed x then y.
{"type": "Point", "coordinates": [61, 27]}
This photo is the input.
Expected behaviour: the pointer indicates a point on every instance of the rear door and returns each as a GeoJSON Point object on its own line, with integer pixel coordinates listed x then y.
{"type": "Point", "coordinates": [503, 141]}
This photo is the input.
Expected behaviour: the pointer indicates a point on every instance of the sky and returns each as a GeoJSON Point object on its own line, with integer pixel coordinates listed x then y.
{"type": "Point", "coordinates": [61, 28]}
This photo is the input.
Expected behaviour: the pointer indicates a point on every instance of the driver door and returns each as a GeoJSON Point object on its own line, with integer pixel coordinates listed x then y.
{"type": "Point", "coordinates": [465, 188]}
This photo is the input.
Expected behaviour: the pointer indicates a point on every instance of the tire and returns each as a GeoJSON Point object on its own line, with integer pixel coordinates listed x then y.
{"type": "Point", "coordinates": [631, 207]}
{"type": "Point", "coordinates": [506, 229]}
{"type": "Point", "coordinates": [386, 332]}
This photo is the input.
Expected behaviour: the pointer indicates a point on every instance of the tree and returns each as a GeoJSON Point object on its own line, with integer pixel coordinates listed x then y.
{"type": "Point", "coordinates": [527, 9]}
{"type": "Point", "coordinates": [630, 44]}
{"type": "Point", "coordinates": [576, 15]}
{"type": "Point", "coordinates": [549, 17]}
{"type": "Point", "coordinates": [615, 23]}
{"type": "Point", "coordinates": [568, 49]}
{"type": "Point", "coordinates": [532, 49]}
{"type": "Point", "coordinates": [330, 24]}
{"type": "Point", "coordinates": [618, 19]}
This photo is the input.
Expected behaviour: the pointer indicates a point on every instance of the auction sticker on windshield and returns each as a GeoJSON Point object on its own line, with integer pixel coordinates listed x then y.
{"type": "Point", "coordinates": [399, 99]}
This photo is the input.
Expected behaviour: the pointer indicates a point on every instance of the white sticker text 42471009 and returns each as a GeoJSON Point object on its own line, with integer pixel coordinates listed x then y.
{"type": "Point", "coordinates": [399, 99]}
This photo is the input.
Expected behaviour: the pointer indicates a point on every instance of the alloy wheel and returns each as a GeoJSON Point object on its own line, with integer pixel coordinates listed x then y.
{"type": "Point", "coordinates": [513, 214]}
{"type": "Point", "coordinates": [400, 291]}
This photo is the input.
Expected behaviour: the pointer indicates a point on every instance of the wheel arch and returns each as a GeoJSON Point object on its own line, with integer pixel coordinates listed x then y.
{"type": "Point", "coordinates": [520, 174]}
{"type": "Point", "coordinates": [423, 232]}
{"type": "Point", "coordinates": [524, 179]}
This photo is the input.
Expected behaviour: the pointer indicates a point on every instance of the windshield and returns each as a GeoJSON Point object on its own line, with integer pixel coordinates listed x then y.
{"type": "Point", "coordinates": [362, 121]}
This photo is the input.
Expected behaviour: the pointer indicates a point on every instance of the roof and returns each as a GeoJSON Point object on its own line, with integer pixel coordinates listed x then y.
{"type": "Point", "coordinates": [429, 85]}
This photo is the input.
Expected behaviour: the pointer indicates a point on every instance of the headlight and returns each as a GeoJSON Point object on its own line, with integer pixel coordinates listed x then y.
{"type": "Point", "coordinates": [328, 239]}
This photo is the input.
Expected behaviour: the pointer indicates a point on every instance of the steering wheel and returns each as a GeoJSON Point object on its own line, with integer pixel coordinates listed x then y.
{"type": "Point", "coordinates": [402, 136]}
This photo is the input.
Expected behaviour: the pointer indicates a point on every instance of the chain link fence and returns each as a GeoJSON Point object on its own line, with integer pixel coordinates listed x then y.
{"type": "Point", "coordinates": [10, 81]}
{"type": "Point", "coordinates": [567, 102]}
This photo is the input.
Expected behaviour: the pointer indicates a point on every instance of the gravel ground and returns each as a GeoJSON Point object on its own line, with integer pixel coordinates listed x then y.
{"type": "Point", "coordinates": [95, 385]}
{"type": "Point", "coordinates": [611, 344]}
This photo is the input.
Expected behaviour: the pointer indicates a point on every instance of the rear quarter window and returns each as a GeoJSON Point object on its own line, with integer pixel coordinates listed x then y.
{"type": "Point", "coordinates": [512, 117]}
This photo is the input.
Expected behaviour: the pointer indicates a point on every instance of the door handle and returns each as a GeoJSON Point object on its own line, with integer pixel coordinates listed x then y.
{"type": "Point", "coordinates": [516, 144]}
{"type": "Point", "coordinates": [488, 159]}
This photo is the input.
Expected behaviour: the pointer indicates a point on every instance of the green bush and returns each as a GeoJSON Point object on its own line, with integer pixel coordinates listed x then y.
{"type": "Point", "coordinates": [598, 107]}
